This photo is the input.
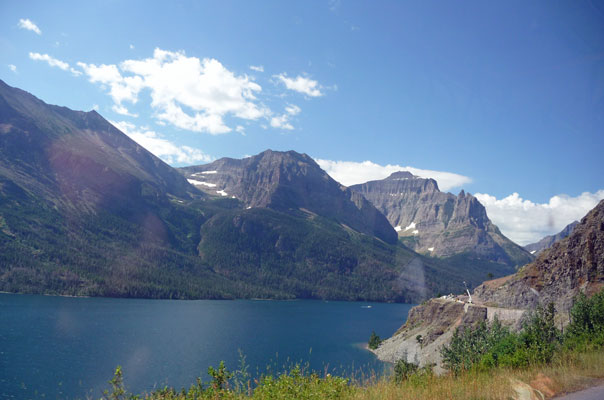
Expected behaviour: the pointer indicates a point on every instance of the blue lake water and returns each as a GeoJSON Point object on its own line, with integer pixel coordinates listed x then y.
{"type": "Point", "coordinates": [60, 347]}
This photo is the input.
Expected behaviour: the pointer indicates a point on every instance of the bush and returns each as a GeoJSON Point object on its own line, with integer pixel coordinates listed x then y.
{"type": "Point", "coordinates": [491, 345]}
{"type": "Point", "coordinates": [468, 347]}
{"type": "Point", "coordinates": [404, 369]}
{"type": "Point", "coordinates": [586, 327]}
{"type": "Point", "coordinates": [539, 337]}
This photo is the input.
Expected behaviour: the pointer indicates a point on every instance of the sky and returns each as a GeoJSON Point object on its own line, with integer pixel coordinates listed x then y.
{"type": "Point", "coordinates": [502, 99]}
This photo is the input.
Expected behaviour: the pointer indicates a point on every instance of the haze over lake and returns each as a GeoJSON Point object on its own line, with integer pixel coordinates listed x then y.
{"type": "Point", "coordinates": [61, 347]}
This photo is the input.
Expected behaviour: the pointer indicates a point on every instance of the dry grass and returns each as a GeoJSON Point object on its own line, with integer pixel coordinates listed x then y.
{"type": "Point", "coordinates": [566, 374]}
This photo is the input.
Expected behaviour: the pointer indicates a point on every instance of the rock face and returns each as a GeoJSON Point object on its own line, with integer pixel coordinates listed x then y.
{"type": "Point", "coordinates": [436, 321]}
{"type": "Point", "coordinates": [571, 265]}
{"type": "Point", "coordinates": [437, 223]}
{"type": "Point", "coordinates": [290, 182]}
{"type": "Point", "coordinates": [548, 241]}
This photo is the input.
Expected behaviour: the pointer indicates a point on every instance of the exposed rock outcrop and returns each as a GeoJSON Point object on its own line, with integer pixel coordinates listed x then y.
{"type": "Point", "coordinates": [440, 224]}
{"type": "Point", "coordinates": [570, 266]}
{"type": "Point", "coordinates": [435, 322]}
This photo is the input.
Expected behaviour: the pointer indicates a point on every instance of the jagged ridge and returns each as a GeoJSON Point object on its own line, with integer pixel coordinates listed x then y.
{"type": "Point", "coordinates": [438, 223]}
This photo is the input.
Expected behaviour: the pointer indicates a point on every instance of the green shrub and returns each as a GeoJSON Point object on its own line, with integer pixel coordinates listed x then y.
{"type": "Point", "coordinates": [490, 345]}
{"type": "Point", "coordinates": [586, 328]}
{"type": "Point", "coordinates": [404, 369]}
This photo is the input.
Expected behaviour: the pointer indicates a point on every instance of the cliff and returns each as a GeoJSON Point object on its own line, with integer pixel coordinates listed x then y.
{"type": "Point", "coordinates": [436, 321]}
{"type": "Point", "coordinates": [440, 224]}
{"type": "Point", "coordinates": [570, 266]}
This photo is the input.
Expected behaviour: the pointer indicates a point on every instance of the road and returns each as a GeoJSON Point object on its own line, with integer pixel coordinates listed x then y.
{"type": "Point", "coordinates": [594, 393]}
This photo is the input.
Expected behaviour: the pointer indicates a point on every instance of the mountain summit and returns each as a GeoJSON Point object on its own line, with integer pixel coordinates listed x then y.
{"type": "Point", "coordinates": [437, 223]}
{"type": "Point", "coordinates": [290, 182]}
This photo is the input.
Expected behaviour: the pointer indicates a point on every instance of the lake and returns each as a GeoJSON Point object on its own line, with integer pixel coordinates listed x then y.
{"type": "Point", "coordinates": [61, 347]}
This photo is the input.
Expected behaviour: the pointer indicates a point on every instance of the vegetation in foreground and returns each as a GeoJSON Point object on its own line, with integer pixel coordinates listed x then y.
{"type": "Point", "coordinates": [484, 363]}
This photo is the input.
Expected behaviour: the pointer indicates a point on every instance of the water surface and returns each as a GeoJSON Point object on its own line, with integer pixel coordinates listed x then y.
{"type": "Point", "coordinates": [61, 347]}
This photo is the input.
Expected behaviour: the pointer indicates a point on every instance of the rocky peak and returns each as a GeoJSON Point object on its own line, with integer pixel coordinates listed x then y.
{"type": "Point", "coordinates": [290, 181]}
{"type": "Point", "coordinates": [437, 223]}
{"type": "Point", "coordinates": [400, 175]}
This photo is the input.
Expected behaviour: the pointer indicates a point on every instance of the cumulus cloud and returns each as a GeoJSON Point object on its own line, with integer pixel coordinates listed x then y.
{"type": "Point", "coordinates": [53, 62]}
{"type": "Point", "coordinates": [283, 121]}
{"type": "Point", "coordinates": [257, 68]}
{"type": "Point", "coordinates": [301, 84]}
{"type": "Point", "coordinates": [162, 148]}
{"type": "Point", "coordinates": [12, 67]}
{"type": "Point", "coordinates": [351, 172]}
{"type": "Point", "coordinates": [30, 26]}
{"type": "Point", "coordinates": [526, 222]}
{"type": "Point", "coordinates": [176, 81]}
{"type": "Point", "coordinates": [120, 88]}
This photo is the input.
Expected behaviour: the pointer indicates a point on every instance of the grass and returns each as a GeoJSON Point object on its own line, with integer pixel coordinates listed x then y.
{"type": "Point", "coordinates": [569, 371]}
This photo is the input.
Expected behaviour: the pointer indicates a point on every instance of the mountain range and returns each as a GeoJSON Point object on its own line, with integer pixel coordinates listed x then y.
{"type": "Point", "coordinates": [85, 210]}
{"type": "Point", "coordinates": [548, 241]}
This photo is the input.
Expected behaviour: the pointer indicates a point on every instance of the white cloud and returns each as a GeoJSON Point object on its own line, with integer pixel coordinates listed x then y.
{"type": "Point", "coordinates": [351, 172]}
{"type": "Point", "coordinates": [293, 109]}
{"type": "Point", "coordinates": [283, 121]}
{"type": "Point", "coordinates": [12, 67]}
{"type": "Point", "coordinates": [257, 68]}
{"type": "Point", "coordinates": [120, 88]}
{"type": "Point", "coordinates": [30, 26]}
{"type": "Point", "coordinates": [123, 111]}
{"type": "Point", "coordinates": [162, 148]}
{"type": "Point", "coordinates": [131, 47]}
{"type": "Point", "coordinates": [190, 93]}
{"type": "Point", "coordinates": [95, 107]}
{"type": "Point", "coordinates": [53, 62]}
{"type": "Point", "coordinates": [204, 86]}
{"type": "Point", "coordinates": [301, 84]}
{"type": "Point", "coordinates": [526, 222]}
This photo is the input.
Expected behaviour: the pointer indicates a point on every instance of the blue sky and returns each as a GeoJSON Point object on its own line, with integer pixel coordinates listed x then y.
{"type": "Point", "coordinates": [502, 99]}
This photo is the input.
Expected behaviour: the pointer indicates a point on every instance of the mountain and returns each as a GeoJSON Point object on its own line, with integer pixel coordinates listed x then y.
{"type": "Point", "coordinates": [571, 265]}
{"type": "Point", "coordinates": [290, 182]}
{"type": "Point", "coordinates": [440, 224]}
{"type": "Point", "coordinates": [84, 210]}
{"type": "Point", "coordinates": [548, 241]}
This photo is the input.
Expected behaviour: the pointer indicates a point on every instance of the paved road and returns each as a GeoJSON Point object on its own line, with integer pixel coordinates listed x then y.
{"type": "Point", "coordinates": [594, 393]}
